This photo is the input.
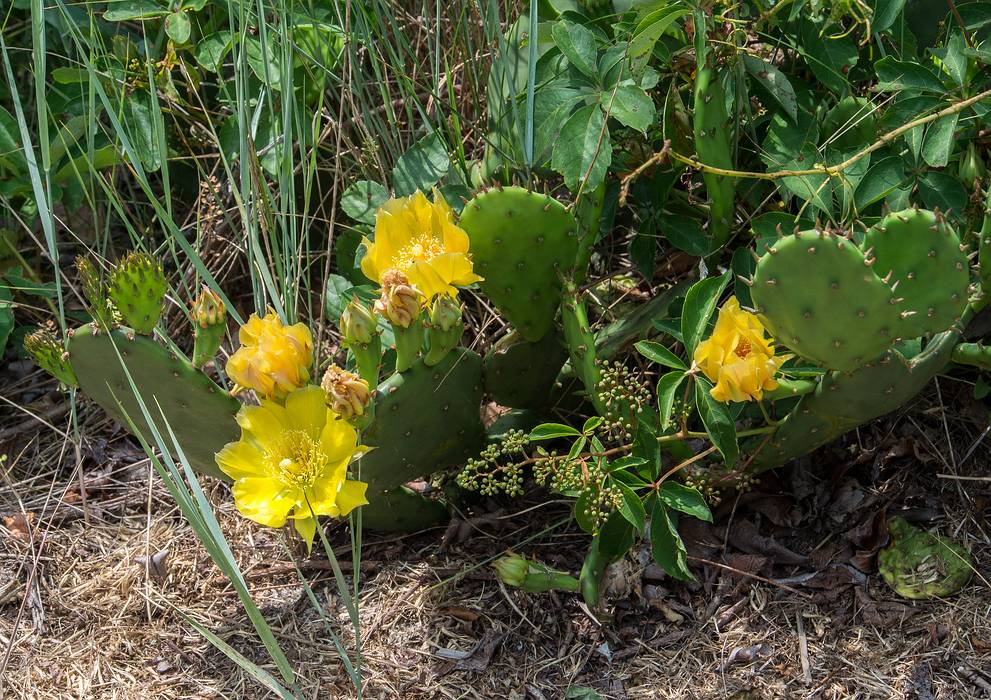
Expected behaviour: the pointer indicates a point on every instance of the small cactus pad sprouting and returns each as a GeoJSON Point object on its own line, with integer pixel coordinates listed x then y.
{"type": "Point", "coordinates": [95, 292]}
{"type": "Point", "coordinates": [137, 288]}
{"type": "Point", "coordinates": [919, 565]}
{"type": "Point", "coordinates": [521, 374]}
{"type": "Point", "coordinates": [49, 354]}
{"type": "Point", "coordinates": [929, 271]}
{"type": "Point", "coordinates": [200, 413]}
{"type": "Point", "coordinates": [521, 243]}
{"type": "Point", "coordinates": [819, 296]}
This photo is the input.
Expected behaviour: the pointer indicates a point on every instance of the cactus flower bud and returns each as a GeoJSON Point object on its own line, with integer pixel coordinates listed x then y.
{"type": "Point", "coordinates": [511, 569]}
{"type": "Point", "coordinates": [209, 325]}
{"type": "Point", "coordinates": [48, 353]}
{"type": "Point", "coordinates": [445, 313]}
{"type": "Point", "coordinates": [347, 394]}
{"type": "Point", "coordinates": [445, 328]}
{"type": "Point", "coordinates": [532, 576]}
{"type": "Point", "coordinates": [358, 325]}
{"type": "Point", "coordinates": [971, 166]}
{"type": "Point", "coordinates": [400, 301]}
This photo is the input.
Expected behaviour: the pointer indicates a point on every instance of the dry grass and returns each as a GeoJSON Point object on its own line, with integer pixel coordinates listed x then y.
{"type": "Point", "coordinates": [83, 616]}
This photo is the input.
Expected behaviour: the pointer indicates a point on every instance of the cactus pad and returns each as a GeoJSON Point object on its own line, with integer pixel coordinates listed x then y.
{"type": "Point", "coordinates": [521, 243]}
{"type": "Point", "coordinates": [49, 354]}
{"type": "Point", "coordinates": [521, 374]}
{"type": "Point", "coordinates": [137, 288]}
{"type": "Point", "coordinates": [712, 143]}
{"type": "Point", "coordinates": [426, 420]}
{"type": "Point", "coordinates": [818, 295]}
{"type": "Point", "coordinates": [401, 510]}
{"type": "Point", "coordinates": [200, 413]}
{"type": "Point", "coordinates": [929, 272]}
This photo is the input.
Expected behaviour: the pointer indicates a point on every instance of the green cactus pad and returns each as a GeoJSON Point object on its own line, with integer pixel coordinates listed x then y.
{"type": "Point", "coordinates": [401, 510]}
{"type": "Point", "coordinates": [521, 242]}
{"type": "Point", "coordinates": [580, 341]}
{"type": "Point", "coordinates": [919, 565]}
{"type": "Point", "coordinates": [850, 124]}
{"type": "Point", "coordinates": [928, 270]}
{"type": "Point", "coordinates": [49, 354]}
{"type": "Point", "coordinates": [426, 420]}
{"type": "Point", "coordinates": [712, 143]}
{"type": "Point", "coordinates": [200, 413]}
{"type": "Point", "coordinates": [844, 401]}
{"type": "Point", "coordinates": [521, 374]}
{"type": "Point", "coordinates": [818, 296]}
{"type": "Point", "coordinates": [137, 288]}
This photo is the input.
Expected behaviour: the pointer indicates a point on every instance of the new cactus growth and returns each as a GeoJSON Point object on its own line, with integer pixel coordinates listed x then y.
{"type": "Point", "coordinates": [209, 325]}
{"type": "Point", "coordinates": [137, 288]}
{"type": "Point", "coordinates": [521, 374]}
{"type": "Point", "coordinates": [521, 244]}
{"type": "Point", "coordinates": [712, 143]}
{"type": "Point", "coordinates": [50, 355]}
{"type": "Point", "coordinates": [444, 330]}
{"type": "Point", "coordinates": [199, 412]}
{"type": "Point", "coordinates": [580, 340]}
{"type": "Point", "coordinates": [95, 291]}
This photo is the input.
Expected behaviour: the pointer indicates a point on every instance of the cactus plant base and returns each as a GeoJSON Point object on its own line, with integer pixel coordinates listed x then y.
{"type": "Point", "coordinates": [521, 374]}
{"type": "Point", "coordinates": [200, 413]}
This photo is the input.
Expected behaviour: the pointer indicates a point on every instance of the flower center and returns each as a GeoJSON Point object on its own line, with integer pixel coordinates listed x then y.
{"type": "Point", "coordinates": [742, 348]}
{"type": "Point", "coordinates": [421, 248]}
{"type": "Point", "coordinates": [297, 460]}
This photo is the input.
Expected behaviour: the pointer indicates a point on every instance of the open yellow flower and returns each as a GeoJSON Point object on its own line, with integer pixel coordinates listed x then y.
{"type": "Point", "coordinates": [737, 357]}
{"type": "Point", "coordinates": [291, 462]}
{"type": "Point", "coordinates": [273, 358]}
{"type": "Point", "coordinates": [421, 240]}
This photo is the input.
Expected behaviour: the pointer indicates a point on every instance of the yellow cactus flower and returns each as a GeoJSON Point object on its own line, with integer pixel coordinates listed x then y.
{"type": "Point", "coordinates": [273, 358]}
{"type": "Point", "coordinates": [421, 240]}
{"type": "Point", "coordinates": [737, 357]}
{"type": "Point", "coordinates": [291, 462]}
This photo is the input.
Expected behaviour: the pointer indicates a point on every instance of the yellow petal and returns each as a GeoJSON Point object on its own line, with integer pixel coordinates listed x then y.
{"type": "Point", "coordinates": [338, 439]}
{"type": "Point", "coordinates": [307, 528]}
{"type": "Point", "coordinates": [369, 263]}
{"type": "Point", "coordinates": [351, 495]}
{"type": "Point", "coordinates": [424, 277]}
{"type": "Point", "coordinates": [265, 500]}
{"type": "Point", "coordinates": [306, 409]}
{"type": "Point", "coordinates": [454, 268]}
{"type": "Point", "coordinates": [240, 459]}
{"type": "Point", "coordinates": [261, 424]}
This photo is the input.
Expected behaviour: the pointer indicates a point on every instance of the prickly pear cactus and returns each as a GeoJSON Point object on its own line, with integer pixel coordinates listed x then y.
{"type": "Point", "coordinates": [817, 294]}
{"type": "Point", "coordinates": [928, 269]}
{"type": "Point", "coordinates": [199, 412]}
{"type": "Point", "coordinates": [137, 287]}
{"type": "Point", "coordinates": [426, 420]}
{"type": "Point", "coordinates": [920, 565]}
{"type": "Point", "coordinates": [49, 354]}
{"type": "Point", "coordinates": [520, 374]}
{"type": "Point", "coordinates": [521, 244]}
{"type": "Point", "coordinates": [712, 143]}
{"type": "Point", "coordinates": [95, 291]}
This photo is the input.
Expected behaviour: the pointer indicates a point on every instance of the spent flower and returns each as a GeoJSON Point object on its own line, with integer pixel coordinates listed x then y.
{"type": "Point", "coordinates": [347, 394]}
{"type": "Point", "coordinates": [399, 301]}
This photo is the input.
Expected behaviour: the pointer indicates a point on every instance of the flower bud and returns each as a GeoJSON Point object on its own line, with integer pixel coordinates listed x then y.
{"type": "Point", "coordinates": [358, 325]}
{"type": "Point", "coordinates": [512, 569]}
{"type": "Point", "coordinates": [347, 393]}
{"type": "Point", "coordinates": [400, 301]}
{"type": "Point", "coordinates": [208, 308]}
{"type": "Point", "coordinates": [971, 166]}
{"type": "Point", "coordinates": [445, 313]}
{"type": "Point", "coordinates": [46, 350]}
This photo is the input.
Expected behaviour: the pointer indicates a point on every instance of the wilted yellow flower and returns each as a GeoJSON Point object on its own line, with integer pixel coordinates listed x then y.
{"type": "Point", "coordinates": [422, 241]}
{"type": "Point", "coordinates": [737, 357]}
{"type": "Point", "coordinates": [273, 358]}
{"type": "Point", "coordinates": [291, 462]}
{"type": "Point", "coordinates": [347, 393]}
{"type": "Point", "coordinates": [399, 301]}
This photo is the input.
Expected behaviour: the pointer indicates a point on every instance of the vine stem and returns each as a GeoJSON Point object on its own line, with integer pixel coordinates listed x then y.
{"type": "Point", "coordinates": [828, 170]}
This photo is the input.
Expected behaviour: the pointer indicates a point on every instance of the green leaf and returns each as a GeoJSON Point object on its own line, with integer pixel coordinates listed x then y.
{"type": "Point", "coordinates": [177, 27]}
{"type": "Point", "coordinates": [646, 446]}
{"type": "Point", "coordinates": [939, 141]}
{"type": "Point", "coordinates": [944, 191]}
{"type": "Point", "coordinates": [685, 233]}
{"type": "Point", "coordinates": [141, 130]}
{"type": "Point", "coordinates": [666, 545]}
{"type": "Point", "coordinates": [581, 692]}
{"type": "Point", "coordinates": [700, 303]}
{"type": "Point", "coordinates": [906, 75]}
{"type": "Point", "coordinates": [578, 44]}
{"type": "Point", "coordinates": [718, 421]}
{"type": "Point", "coordinates": [6, 316]}
{"type": "Point", "coordinates": [549, 431]}
{"type": "Point", "coordinates": [362, 199]}
{"type": "Point", "coordinates": [70, 76]}
{"type": "Point", "coordinates": [885, 13]}
{"type": "Point", "coordinates": [632, 507]}
{"type": "Point", "coordinates": [583, 150]}
{"type": "Point", "coordinates": [422, 166]}
{"type": "Point", "coordinates": [815, 189]}
{"type": "Point", "coordinates": [11, 153]}
{"type": "Point", "coordinates": [649, 31]}
{"type": "Point", "coordinates": [655, 352]}
{"type": "Point", "coordinates": [954, 58]}
{"type": "Point", "coordinates": [212, 50]}
{"type": "Point", "coordinates": [631, 106]}
{"type": "Point", "coordinates": [263, 61]}
{"type": "Point", "coordinates": [667, 393]}
{"type": "Point", "coordinates": [827, 58]}
{"type": "Point", "coordinates": [591, 423]}
{"type": "Point", "coordinates": [775, 82]}
{"type": "Point", "coordinates": [685, 500]}
{"type": "Point", "coordinates": [883, 178]}
{"type": "Point", "coordinates": [134, 9]}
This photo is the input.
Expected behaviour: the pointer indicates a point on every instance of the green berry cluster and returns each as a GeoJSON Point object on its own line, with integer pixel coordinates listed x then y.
{"type": "Point", "coordinates": [498, 467]}
{"type": "Point", "coordinates": [624, 396]}
{"type": "Point", "coordinates": [584, 478]}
